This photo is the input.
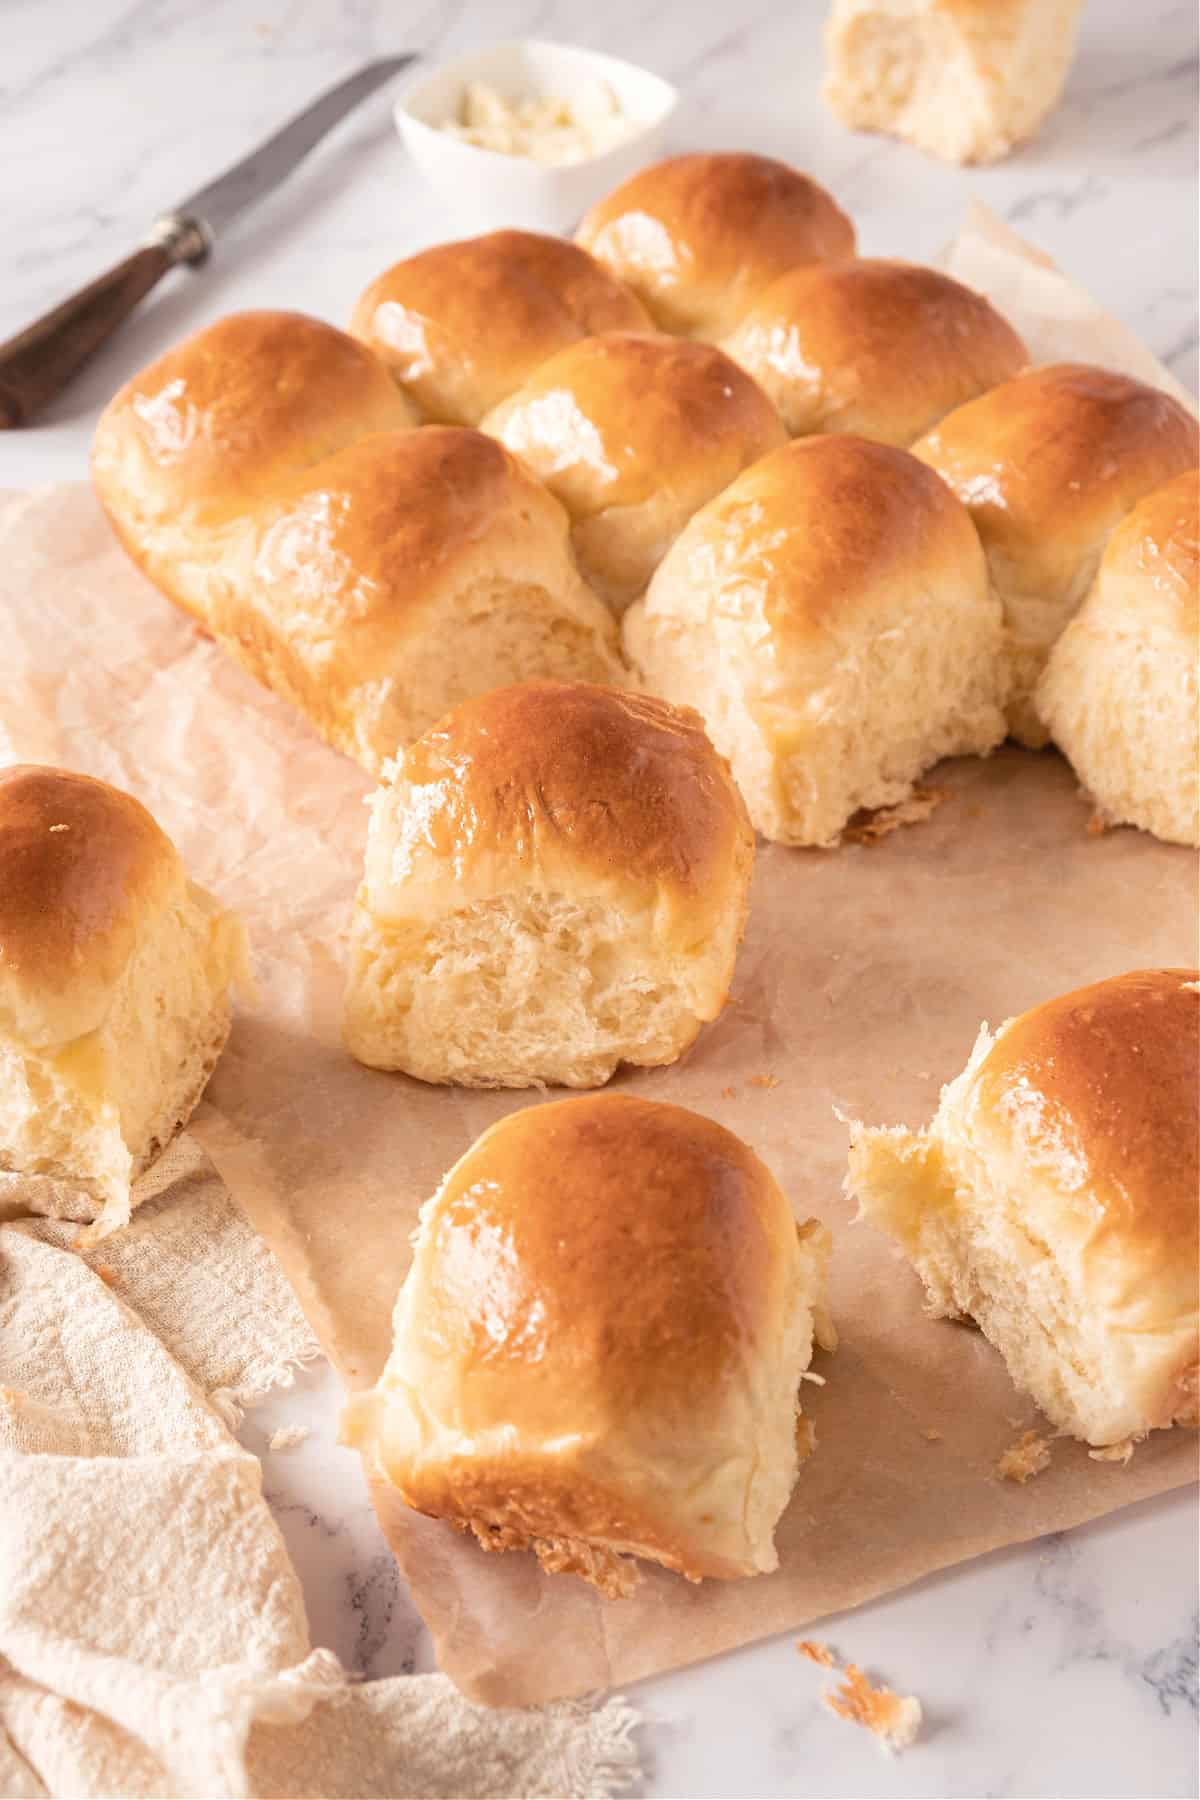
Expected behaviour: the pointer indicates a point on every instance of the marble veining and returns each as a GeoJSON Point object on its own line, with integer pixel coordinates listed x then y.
{"type": "Point", "coordinates": [1065, 1667]}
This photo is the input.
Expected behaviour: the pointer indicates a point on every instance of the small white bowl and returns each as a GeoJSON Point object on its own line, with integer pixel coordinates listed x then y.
{"type": "Point", "coordinates": [488, 190]}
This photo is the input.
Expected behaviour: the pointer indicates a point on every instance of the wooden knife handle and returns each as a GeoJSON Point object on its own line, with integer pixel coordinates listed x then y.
{"type": "Point", "coordinates": [37, 364]}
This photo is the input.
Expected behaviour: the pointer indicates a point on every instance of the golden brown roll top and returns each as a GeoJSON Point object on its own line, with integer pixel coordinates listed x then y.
{"type": "Point", "coordinates": [1054, 1199]}
{"type": "Point", "coordinates": [884, 349]}
{"type": "Point", "coordinates": [115, 974]}
{"type": "Point", "coordinates": [699, 237]}
{"type": "Point", "coordinates": [1049, 464]}
{"type": "Point", "coordinates": [1152, 563]}
{"type": "Point", "coordinates": [813, 535]}
{"type": "Point", "coordinates": [381, 585]}
{"type": "Point", "coordinates": [598, 1347]}
{"type": "Point", "coordinates": [394, 525]}
{"type": "Point", "coordinates": [557, 879]}
{"type": "Point", "coordinates": [462, 325]}
{"type": "Point", "coordinates": [81, 864]}
{"type": "Point", "coordinates": [565, 786]}
{"type": "Point", "coordinates": [213, 427]}
{"type": "Point", "coordinates": [1090, 1105]}
{"type": "Point", "coordinates": [1101, 1088]}
{"type": "Point", "coordinates": [633, 434]}
{"type": "Point", "coordinates": [830, 616]}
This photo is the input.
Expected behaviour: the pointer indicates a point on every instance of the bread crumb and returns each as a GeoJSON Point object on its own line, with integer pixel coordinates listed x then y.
{"type": "Point", "coordinates": [1024, 1459]}
{"type": "Point", "coordinates": [764, 1081]}
{"type": "Point", "coordinates": [869, 828]}
{"type": "Point", "coordinates": [1113, 1452]}
{"type": "Point", "coordinates": [931, 1436]}
{"type": "Point", "coordinates": [894, 1718]}
{"type": "Point", "coordinates": [806, 1437]}
{"type": "Point", "coordinates": [729, 1093]}
{"type": "Point", "coordinates": [59, 828]}
{"type": "Point", "coordinates": [1098, 825]}
{"type": "Point", "coordinates": [288, 1436]}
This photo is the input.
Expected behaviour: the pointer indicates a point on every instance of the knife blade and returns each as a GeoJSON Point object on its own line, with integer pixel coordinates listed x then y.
{"type": "Point", "coordinates": [218, 202]}
{"type": "Point", "coordinates": [37, 364]}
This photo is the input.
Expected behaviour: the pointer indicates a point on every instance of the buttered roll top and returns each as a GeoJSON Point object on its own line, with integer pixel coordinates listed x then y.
{"type": "Point", "coordinates": [81, 867]}
{"type": "Point", "coordinates": [699, 237]}
{"type": "Point", "coordinates": [463, 325]}
{"type": "Point", "coordinates": [568, 785]}
{"type": "Point", "coordinates": [881, 348]}
{"type": "Point", "coordinates": [1092, 1101]}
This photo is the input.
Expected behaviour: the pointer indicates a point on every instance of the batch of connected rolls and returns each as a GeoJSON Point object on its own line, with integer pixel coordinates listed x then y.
{"type": "Point", "coordinates": [496, 544]}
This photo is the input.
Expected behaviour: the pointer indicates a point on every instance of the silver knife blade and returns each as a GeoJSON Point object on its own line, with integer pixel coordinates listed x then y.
{"type": "Point", "coordinates": [255, 175]}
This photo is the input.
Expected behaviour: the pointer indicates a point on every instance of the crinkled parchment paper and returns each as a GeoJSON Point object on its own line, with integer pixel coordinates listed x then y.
{"type": "Point", "coordinates": [861, 983]}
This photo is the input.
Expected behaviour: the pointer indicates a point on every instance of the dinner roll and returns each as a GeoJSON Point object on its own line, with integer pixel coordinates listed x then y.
{"type": "Point", "coordinates": [1053, 1200]}
{"type": "Point", "coordinates": [215, 426]}
{"type": "Point", "coordinates": [965, 80]}
{"type": "Point", "coordinates": [881, 348]}
{"type": "Point", "coordinates": [830, 616]}
{"type": "Point", "coordinates": [115, 972]}
{"type": "Point", "coordinates": [699, 237]}
{"type": "Point", "coordinates": [1119, 694]}
{"type": "Point", "coordinates": [634, 434]}
{"type": "Point", "coordinates": [372, 577]}
{"type": "Point", "coordinates": [1048, 464]}
{"type": "Point", "coordinates": [463, 325]}
{"type": "Point", "coordinates": [598, 1351]}
{"type": "Point", "coordinates": [557, 878]}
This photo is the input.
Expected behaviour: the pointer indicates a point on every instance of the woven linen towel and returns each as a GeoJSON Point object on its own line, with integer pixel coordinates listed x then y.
{"type": "Point", "coordinates": [153, 1639]}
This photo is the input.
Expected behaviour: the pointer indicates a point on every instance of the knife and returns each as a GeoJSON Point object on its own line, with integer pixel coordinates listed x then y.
{"type": "Point", "coordinates": [37, 364]}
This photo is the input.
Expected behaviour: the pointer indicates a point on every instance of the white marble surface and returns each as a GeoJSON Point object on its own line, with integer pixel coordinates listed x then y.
{"type": "Point", "coordinates": [1068, 1667]}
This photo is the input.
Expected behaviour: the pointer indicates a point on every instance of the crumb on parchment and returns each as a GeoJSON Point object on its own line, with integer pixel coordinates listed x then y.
{"type": "Point", "coordinates": [288, 1436]}
{"type": "Point", "coordinates": [931, 1436]}
{"type": "Point", "coordinates": [764, 1081]}
{"type": "Point", "coordinates": [895, 1719]}
{"type": "Point", "coordinates": [818, 1653]}
{"type": "Point", "coordinates": [729, 1093]}
{"type": "Point", "coordinates": [869, 828]}
{"type": "Point", "coordinates": [1118, 1453]}
{"type": "Point", "coordinates": [1024, 1459]}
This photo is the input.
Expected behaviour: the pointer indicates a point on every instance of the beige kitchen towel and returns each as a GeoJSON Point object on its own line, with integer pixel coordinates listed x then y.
{"type": "Point", "coordinates": [153, 1639]}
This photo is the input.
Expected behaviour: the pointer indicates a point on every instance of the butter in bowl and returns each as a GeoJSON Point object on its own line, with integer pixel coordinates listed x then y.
{"type": "Point", "coordinates": [530, 134]}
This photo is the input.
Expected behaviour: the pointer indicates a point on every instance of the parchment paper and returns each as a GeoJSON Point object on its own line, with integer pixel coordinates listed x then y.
{"type": "Point", "coordinates": [864, 975]}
